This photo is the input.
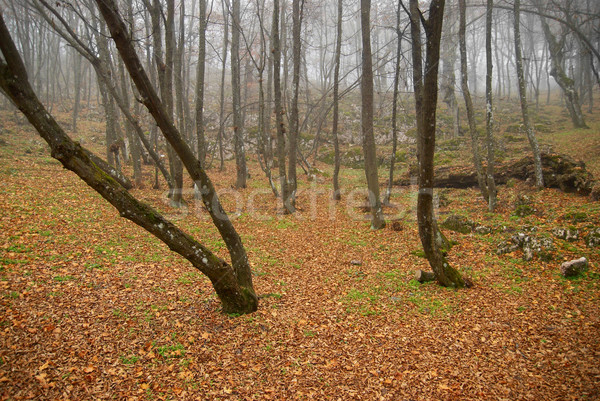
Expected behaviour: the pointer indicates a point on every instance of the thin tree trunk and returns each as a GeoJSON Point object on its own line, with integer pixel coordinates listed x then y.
{"type": "Point", "coordinates": [377, 220]}
{"type": "Point", "coordinates": [537, 158]}
{"type": "Point", "coordinates": [489, 111]}
{"type": "Point", "coordinates": [278, 109]}
{"type": "Point", "coordinates": [388, 192]}
{"type": "Point", "coordinates": [77, 89]}
{"type": "Point", "coordinates": [221, 133]}
{"type": "Point", "coordinates": [294, 128]}
{"type": "Point", "coordinates": [469, 102]}
{"type": "Point", "coordinates": [336, 99]}
{"type": "Point", "coordinates": [201, 145]}
{"type": "Point", "coordinates": [167, 98]}
{"type": "Point", "coordinates": [238, 129]}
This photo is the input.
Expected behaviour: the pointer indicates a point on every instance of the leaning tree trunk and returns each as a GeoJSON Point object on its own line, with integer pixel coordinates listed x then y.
{"type": "Point", "coordinates": [377, 220]}
{"type": "Point", "coordinates": [236, 293]}
{"type": "Point", "coordinates": [210, 199]}
{"type": "Point", "coordinates": [426, 92]}
{"type": "Point", "coordinates": [469, 102]}
{"type": "Point", "coordinates": [535, 148]}
{"type": "Point", "coordinates": [489, 111]}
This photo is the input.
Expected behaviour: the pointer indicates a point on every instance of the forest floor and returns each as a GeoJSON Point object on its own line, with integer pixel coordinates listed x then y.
{"type": "Point", "coordinates": [93, 307]}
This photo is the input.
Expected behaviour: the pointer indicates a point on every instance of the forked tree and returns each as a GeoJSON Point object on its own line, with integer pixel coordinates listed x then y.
{"type": "Point", "coordinates": [232, 283]}
{"type": "Point", "coordinates": [425, 83]}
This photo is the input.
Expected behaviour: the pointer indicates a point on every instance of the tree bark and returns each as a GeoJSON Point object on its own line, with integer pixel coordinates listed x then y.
{"type": "Point", "coordinates": [535, 148]}
{"type": "Point", "coordinates": [426, 92]}
{"type": "Point", "coordinates": [377, 220]}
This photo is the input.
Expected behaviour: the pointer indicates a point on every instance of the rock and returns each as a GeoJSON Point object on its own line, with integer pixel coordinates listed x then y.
{"type": "Point", "coordinates": [530, 245]}
{"type": "Point", "coordinates": [593, 238]}
{"type": "Point", "coordinates": [506, 247]}
{"type": "Point", "coordinates": [356, 262]}
{"type": "Point", "coordinates": [483, 230]}
{"type": "Point", "coordinates": [459, 224]}
{"type": "Point", "coordinates": [574, 268]}
{"type": "Point", "coordinates": [566, 233]}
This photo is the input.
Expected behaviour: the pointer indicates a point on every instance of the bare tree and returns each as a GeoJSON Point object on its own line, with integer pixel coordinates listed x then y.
{"type": "Point", "coordinates": [377, 220]}
{"type": "Point", "coordinates": [557, 54]}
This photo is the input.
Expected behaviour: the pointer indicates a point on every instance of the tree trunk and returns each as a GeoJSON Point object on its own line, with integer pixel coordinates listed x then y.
{"type": "Point", "coordinates": [469, 102]}
{"type": "Point", "coordinates": [388, 192]}
{"type": "Point", "coordinates": [201, 141]}
{"type": "Point", "coordinates": [167, 98]}
{"type": "Point", "coordinates": [294, 128]}
{"type": "Point", "coordinates": [238, 129]}
{"type": "Point", "coordinates": [539, 178]}
{"type": "Point", "coordinates": [77, 89]}
{"type": "Point", "coordinates": [489, 111]}
{"type": "Point", "coordinates": [336, 100]}
{"type": "Point", "coordinates": [287, 208]}
{"type": "Point", "coordinates": [377, 220]}
{"type": "Point", "coordinates": [426, 91]}
{"type": "Point", "coordinates": [221, 132]}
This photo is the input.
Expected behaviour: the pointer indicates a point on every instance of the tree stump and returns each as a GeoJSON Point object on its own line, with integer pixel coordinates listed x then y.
{"type": "Point", "coordinates": [423, 276]}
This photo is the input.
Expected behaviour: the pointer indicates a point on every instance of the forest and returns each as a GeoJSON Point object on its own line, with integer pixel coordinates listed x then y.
{"type": "Point", "coordinates": [290, 199]}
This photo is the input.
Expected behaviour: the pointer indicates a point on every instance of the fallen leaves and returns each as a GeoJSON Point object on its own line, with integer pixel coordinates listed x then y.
{"type": "Point", "coordinates": [132, 320]}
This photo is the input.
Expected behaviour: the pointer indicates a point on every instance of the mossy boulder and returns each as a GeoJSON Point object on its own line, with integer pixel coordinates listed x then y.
{"type": "Point", "coordinates": [459, 224]}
